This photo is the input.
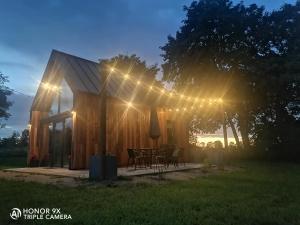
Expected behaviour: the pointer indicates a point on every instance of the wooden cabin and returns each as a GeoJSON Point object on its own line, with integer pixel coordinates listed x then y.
{"type": "Point", "coordinates": [65, 115]}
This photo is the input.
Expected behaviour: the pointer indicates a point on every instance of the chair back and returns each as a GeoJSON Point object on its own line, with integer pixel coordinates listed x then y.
{"type": "Point", "coordinates": [130, 152]}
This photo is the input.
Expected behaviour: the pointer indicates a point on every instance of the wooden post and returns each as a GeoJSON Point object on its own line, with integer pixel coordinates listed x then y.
{"type": "Point", "coordinates": [58, 102]}
{"type": "Point", "coordinates": [102, 144]}
{"type": "Point", "coordinates": [102, 132]}
{"type": "Point", "coordinates": [53, 144]}
{"type": "Point", "coordinates": [63, 149]}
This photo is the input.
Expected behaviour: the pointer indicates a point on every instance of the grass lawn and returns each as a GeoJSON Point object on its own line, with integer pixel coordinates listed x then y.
{"type": "Point", "coordinates": [260, 193]}
{"type": "Point", "coordinates": [13, 157]}
{"type": "Point", "coordinates": [12, 161]}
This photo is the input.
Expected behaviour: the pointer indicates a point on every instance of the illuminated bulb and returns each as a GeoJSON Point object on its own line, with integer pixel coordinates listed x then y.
{"type": "Point", "coordinates": [46, 85]}
{"type": "Point", "coordinates": [138, 82]}
{"type": "Point", "coordinates": [112, 69]}
{"type": "Point", "coordinates": [126, 76]}
{"type": "Point", "coordinates": [181, 96]}
{"type": "Point", "coordinates": [151, 87]}
{"type": "Point", "coordinates": [73, 112]}
{"type": "Point", "coordinates": [171, 94]}
{"type": "Point", "coordinates": [170, 110]}
{"type": "Point", "coordinates": [177, 110]}
{"type": "Point", "coordinates": [162, 91]}
{"type": "Point", "coordinates": [220, 100]}
{"type": "Point", "coordinates": [189, 98]}
{"type": "Point", "coordinates": [184, 109]}
{"type": "Point", "coordinates": [196, 99]}
{"type": "Point", "coordinates": [129, 104]}
{"type": "Point", "coordinates": [54, 88]}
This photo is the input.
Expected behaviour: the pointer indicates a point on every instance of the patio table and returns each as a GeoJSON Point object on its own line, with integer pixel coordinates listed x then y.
{"type": "Point", "coordinates": [148, 155]}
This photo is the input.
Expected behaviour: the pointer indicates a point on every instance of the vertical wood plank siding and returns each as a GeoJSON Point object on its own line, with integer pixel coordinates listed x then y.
{"type": "Point", "coordinates": [38, 136]}
{"type": "Point", "coordinates": [126, 128]}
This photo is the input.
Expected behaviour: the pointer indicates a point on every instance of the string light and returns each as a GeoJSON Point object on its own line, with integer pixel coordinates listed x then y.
{"type": "Point", "coordinates": [129, 104]}
{"type": "Point", "coordinates": [50, 87]}
{"type": "Point", "coordinates": [46, 85]}
{"type": "Point", "coordinates": [162, 91]}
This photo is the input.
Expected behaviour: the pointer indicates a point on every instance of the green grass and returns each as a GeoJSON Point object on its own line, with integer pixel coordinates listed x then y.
{"type": "Point", "coordinates": [13, 157]}
{"type": "Point", "coordinates": [12, 161]}
{"type": "Point", "coordinates": [260, 193]}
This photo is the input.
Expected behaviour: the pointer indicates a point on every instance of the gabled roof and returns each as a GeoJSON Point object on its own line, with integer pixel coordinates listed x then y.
{"type": "Point", "coordinates": [82, 75]}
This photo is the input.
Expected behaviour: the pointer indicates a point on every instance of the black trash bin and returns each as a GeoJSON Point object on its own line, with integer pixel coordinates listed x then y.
{"type": "Point", "coordinates": [96, 172]}
{"type": "Point", "coordinates": [111, 167]}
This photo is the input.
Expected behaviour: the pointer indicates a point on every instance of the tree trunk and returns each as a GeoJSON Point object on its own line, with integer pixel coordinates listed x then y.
{"type": "Point", "coordinates": [229, 118]}
{"type": "Point", "coordinates": [225, 131]}
{"type": "Point", "coordinates": [244, 130]}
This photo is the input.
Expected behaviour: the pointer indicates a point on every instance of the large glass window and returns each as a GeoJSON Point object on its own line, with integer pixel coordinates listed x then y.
{"type": "Point", "coordinates": [66, 99]}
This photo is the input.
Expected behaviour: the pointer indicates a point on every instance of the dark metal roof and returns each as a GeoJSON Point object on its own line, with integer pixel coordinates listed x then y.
{"type": "Point", "coordinates": [82, 76]}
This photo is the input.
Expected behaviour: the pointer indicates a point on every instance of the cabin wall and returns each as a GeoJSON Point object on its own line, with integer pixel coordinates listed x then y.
{"type": "Point", "coordinates": [86, 127]}
{"type": "Point", "coordinates": [126, 128]}
{"type": "Point", "coordinates": [38, 137]}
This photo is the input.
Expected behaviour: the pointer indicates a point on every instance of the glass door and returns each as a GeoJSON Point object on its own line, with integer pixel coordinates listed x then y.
{"type": "Point", "coordinates": [60, 143]}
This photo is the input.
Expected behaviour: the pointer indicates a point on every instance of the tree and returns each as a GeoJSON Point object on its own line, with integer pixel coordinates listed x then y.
{"type": "Point", "coordinates": [277, 120]}
{"type": "Point", "coordinates": [220, 50]}
{"type": "Point", "coordinates": [133, 66]}
{"type": "Point", "coordinates": [4, 103]}
{"type": "Point", "coordinates": [136, 69]}
{"type": "Point", "coordinates": [24, 138]}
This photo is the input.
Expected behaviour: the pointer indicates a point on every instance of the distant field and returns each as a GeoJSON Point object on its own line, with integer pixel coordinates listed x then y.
{"type": "Point", "coordinates": [257, 194]}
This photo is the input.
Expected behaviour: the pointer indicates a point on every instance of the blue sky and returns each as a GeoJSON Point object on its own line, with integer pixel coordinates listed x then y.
{"type": "Point", "coordinates": [30, 29]}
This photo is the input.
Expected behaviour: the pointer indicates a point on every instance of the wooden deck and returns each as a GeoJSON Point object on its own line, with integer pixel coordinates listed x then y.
{"type": "Point", "coordinates": [84, 174]}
